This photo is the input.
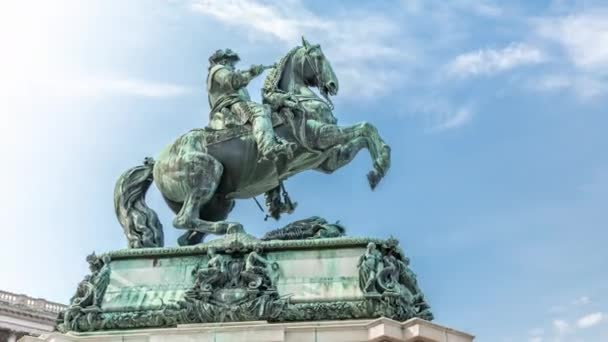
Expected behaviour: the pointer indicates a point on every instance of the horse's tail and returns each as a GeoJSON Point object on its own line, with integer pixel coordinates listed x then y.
{"type": "Point", "coordinates": [140, 223]}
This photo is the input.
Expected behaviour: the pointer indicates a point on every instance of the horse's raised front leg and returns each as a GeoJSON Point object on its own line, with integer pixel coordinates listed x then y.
{"type": "Point", "coordinates": [324, 136]}
{"type": "Point", "coordinates": [342, 154]}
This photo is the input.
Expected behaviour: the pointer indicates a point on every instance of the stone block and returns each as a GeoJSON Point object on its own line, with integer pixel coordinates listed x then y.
{"type": "Point", "coordinates": [382, 329]}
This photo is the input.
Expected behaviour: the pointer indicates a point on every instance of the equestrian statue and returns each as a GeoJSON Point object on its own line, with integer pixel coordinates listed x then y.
{"type": "Point", "coordinates": [248, 148]}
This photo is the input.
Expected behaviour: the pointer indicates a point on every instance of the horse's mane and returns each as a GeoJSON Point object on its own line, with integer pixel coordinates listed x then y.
{"type": "Point", "coordinates": [274, 76]}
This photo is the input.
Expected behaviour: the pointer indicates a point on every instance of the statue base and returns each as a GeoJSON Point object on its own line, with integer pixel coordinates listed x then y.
{"type": "Point", "coordinates": [239, 278]}
{"type": "Point", "coordinates": [381, 329]}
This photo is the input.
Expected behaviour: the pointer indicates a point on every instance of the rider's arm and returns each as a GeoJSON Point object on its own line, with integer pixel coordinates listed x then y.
{"type": "Point", "coordinates": [237, 79]}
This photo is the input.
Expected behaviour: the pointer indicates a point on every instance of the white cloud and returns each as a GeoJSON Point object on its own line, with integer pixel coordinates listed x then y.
{"type": "Point", "coordinates": [536, 335]}
{"type": "Point", "coordinates": [561, 326]}
{"type": "Point", "coordinates": [439, 114]}
{"type": "Point", "coordinates": [44, 59]}
{"type": "Point", "coordinates": [492, 61]}
{"type": "Point", "coordinates": [584, 85]}
{"type": "Point", "coordinates": [583, 300]}
{"type": "Point", "coordinates": [553, 82]}
{"type": "Point", "coordinates": [353, 40]}
{"type": "Point", "coordinates": [461, 117]}
{"type": "Point", "coordinates": [279, 20]}
{"type": "Point", "coordinates": [92, 86]}
{"type": "Point", "coordinates": [479, 8]}
{"type": "Point", "coordinates": [537, 332]}
{"type": "Point", "coordinates": [590, 320]}
{"type": "Point", "coordinates": [584, 37]}
{"type": "Point", "coordinates": [564, 330]}
{"type": "Point", "coordinates": [484, 9]}
{"type": "Point", "coordinates": [445, 117]}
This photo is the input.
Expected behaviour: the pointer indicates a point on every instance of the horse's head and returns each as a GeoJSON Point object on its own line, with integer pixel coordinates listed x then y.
{"type": "Point", "coordinates": [316, 71]}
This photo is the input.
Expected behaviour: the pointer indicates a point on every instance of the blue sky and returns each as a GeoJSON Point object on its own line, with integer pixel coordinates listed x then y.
{"type": "Point", "coordinates": [495, 112]}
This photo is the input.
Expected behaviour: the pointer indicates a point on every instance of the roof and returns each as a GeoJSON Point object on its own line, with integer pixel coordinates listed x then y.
{"type": "Point", "coordinates": [30, 309]}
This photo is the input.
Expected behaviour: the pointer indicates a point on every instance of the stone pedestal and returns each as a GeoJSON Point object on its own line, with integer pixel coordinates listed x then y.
{"type": "Point", "coordinates": [381, 329]}
{"type": "Point", "coordinates": [240, 288]}
{"type": "Point", "coordinates": [239, 278]}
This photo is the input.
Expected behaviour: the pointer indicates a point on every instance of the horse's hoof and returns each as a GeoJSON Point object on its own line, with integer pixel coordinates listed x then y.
{"type": "Point", "coordinates": [190, 238]}
{"type": "Point", "coordinates": [373, 177]}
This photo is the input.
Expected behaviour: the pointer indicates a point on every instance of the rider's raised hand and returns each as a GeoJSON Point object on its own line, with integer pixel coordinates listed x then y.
{"type": "Point", "coordinates": [256, 69]}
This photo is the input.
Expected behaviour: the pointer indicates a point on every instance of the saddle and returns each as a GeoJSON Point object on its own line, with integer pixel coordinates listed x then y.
{"type": "Point", "coordinates": [229, 132]}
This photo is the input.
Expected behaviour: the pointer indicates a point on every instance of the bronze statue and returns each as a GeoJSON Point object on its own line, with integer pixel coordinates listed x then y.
{"type": "Point", "coordinates": [89, 294]}
{"type": "Point", "coordinates": [202, 173]}
{"type": "Point", "coordinates": [370, 264]}
{"type": "Point", "coordinates": [231, 105]}
{"type": "Point", "coordinates": [214, 272]}
{"type": "Point", "coordinates": [259, 270]}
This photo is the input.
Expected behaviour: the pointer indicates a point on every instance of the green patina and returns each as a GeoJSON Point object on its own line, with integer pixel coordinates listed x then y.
{"type": "Point", "coordinates": [244, 153]}
{"type": "Point", "coordinates": [306, 271]}
{"type": "Point", "coordinates": [241, 278]}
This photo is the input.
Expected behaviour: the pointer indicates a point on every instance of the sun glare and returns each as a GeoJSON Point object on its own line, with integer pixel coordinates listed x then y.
{"type": "Point", "coordinates": [33, 35]}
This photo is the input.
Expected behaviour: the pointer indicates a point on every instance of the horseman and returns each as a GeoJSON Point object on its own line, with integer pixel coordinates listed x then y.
{"type": "Point", "coordinates": [231, 105]}
{"type": "Point", "coordinates": [203, 172]}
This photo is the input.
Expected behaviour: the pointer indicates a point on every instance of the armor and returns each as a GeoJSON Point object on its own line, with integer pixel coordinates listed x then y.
{"type": "Point", "coordinates": [231, 104]}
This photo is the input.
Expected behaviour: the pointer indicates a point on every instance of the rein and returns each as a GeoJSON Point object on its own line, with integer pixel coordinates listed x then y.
{"type": "Point", "coordinates": [316, 70]}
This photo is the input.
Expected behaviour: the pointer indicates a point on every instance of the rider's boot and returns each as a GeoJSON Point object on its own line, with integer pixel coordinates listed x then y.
{"type": "Point", "coordinates": [274, 203]}
{"type": "Point", "coordinates": [277, 205]}
{"type": "Point", "coordinates": [269, 145]}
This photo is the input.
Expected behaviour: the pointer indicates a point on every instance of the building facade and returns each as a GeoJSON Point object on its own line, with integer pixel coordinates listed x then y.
{"type": "Point", "coordinates": [22, 315]}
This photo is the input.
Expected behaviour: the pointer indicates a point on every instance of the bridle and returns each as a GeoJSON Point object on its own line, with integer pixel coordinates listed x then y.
{"type": "Point", "coordinates": [315, 67]}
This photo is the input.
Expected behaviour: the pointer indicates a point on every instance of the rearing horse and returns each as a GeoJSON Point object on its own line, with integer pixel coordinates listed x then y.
{"type": "Point", "coordinates": [200, 176]}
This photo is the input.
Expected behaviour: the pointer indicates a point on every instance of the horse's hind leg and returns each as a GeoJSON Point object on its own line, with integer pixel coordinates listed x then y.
{"type": "Point", "coordinates": [217, 209]}
{"type": "Point", "coordinates": [196, 176]}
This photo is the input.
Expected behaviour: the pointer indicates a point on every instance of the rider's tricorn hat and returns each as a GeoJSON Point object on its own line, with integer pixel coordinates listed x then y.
{"type": "Point", "coordinates": [220, 55]}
